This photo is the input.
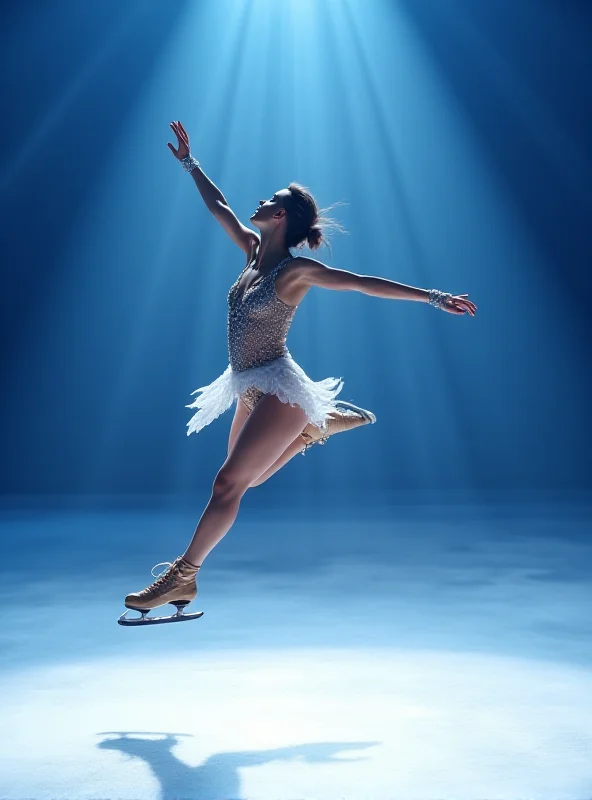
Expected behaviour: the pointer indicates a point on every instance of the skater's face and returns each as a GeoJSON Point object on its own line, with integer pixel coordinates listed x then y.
{"type": "Point", "coordinates": [272, 210]}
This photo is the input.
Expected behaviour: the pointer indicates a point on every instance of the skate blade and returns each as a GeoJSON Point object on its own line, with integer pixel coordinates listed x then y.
{"type": "Point", "coordinates": [146, 620]}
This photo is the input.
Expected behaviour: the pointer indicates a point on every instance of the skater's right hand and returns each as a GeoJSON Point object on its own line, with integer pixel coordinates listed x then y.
{"type": "Point", "coordinates": [182, 141]}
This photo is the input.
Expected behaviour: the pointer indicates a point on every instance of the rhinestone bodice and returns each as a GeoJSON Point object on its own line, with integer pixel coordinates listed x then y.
{"type": "Point", "coordinates": [258, 322]}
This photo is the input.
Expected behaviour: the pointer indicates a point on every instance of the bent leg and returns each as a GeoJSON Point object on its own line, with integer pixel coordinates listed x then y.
{"type": "Point", "coordinates": [295, 447]}
{"type": "Point", "coordinates": [263, 438]}
{"type": "Point", "coordinates": [344, 418]}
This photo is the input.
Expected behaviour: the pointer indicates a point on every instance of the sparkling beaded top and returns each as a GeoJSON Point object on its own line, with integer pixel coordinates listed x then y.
{"type": "Point", "coordinates": [258, 322]}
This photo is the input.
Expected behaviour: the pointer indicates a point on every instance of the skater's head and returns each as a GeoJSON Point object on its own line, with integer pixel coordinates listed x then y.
{"type": "Point", "coordinates": [295, 212]}
{"type": "Point", "coordinates": [271, 214]}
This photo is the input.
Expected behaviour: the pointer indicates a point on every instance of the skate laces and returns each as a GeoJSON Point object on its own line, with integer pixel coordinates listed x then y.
{"type": "Point", "coordinates": [160, 574]}
{"type": "Point", "coordinates": [164, 578]}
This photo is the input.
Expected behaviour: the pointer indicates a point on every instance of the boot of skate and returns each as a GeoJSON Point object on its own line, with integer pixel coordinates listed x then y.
{"type": "Point", "coordinates": [343, 419]}
{"type": "Point", "coordinates": [175, 585]}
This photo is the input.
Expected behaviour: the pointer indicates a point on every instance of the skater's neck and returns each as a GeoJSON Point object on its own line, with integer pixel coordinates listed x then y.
{"type": "Point", "coordinates": [271, 251]}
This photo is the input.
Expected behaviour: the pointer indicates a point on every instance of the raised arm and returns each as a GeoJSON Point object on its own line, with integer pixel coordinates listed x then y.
{"type": "Point", "coordinates": [212, 196]}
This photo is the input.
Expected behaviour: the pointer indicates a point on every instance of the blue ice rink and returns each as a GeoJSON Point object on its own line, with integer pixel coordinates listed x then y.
{"type": "Point", "coordinates": [407, 652]}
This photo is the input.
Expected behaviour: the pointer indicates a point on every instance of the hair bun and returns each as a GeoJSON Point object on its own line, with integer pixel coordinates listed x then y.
{"type": "Point", "coordinates": [306, 224]}
{"type": "Point", "coordinates": [315, 236]}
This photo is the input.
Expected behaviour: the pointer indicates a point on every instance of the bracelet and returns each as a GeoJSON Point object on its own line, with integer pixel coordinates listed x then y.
{"type": "Point", "coordinates": [188, 162]}
{"type": "Point", "coordinates": [438, 299]}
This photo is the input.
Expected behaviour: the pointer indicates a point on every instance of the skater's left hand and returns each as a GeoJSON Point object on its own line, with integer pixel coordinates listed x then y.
{"type": "Point", "coordinates": [458, 304]}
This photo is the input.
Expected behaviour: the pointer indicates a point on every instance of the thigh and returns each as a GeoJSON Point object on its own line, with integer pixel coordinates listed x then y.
{"type": "Point", "coordinates": [245, 404]}
{"type": "Point", "coordinates": [265, 434]}
{"type": "Point", "coordinates": [241, 413]}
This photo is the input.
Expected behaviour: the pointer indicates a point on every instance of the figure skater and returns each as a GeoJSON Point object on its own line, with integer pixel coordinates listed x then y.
{"type": "Point", "coordinates": [279, 410]}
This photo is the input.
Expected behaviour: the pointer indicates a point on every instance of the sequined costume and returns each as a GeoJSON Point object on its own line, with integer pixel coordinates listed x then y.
{"type": "Point", "coordinates": [259, 361]}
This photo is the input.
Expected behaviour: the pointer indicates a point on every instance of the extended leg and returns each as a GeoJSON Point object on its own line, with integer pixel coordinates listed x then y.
{"type": "Point", "coordinates": [263, 438]}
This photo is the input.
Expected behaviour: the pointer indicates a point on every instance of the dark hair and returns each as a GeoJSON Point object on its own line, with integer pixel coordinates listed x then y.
{"type": "Point", "coordinates": [305, 221]}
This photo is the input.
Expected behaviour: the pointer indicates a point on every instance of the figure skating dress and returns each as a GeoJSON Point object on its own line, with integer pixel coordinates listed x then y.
{"type": "Point", "coordinates": [259, 361]}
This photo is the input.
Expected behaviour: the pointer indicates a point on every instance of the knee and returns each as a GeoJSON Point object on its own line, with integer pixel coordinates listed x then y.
{"type": "Point", "coordinates": [227, 483]}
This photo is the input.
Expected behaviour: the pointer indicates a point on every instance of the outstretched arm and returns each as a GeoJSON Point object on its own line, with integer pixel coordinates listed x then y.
{"type": "Point", "coordinates": [212, 196]}
{"type": "Point", "coordinates": [315, 273]}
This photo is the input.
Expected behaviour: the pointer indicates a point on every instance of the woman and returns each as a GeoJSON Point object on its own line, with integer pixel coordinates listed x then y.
{"type": "Point", "coordinates": [280, 411]}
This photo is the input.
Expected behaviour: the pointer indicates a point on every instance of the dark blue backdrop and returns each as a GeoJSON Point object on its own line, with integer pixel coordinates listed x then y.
{"type": "Point", "coordinates": [459, 135]}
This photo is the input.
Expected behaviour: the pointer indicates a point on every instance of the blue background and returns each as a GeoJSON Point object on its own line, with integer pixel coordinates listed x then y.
{"type": "Point", "coordinates": [456, 134]}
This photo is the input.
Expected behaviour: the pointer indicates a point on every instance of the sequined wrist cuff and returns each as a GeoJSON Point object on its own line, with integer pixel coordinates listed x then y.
{"type": "Point", "coordinates": [438, 299]}
{"type": "Point", "coordinates": [188, 162]}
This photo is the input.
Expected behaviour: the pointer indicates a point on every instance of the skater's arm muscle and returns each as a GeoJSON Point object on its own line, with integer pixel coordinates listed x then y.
{"type": "Point", "coordinates": [239, 233]}
{"type": "Point", "coordinates": [217, 204]}
{"type": "Point", "coordinates": [315, 273]}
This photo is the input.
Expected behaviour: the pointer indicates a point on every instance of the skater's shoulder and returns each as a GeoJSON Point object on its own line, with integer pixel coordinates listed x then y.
{"type": "Point", "coordinates": [307, 267]}
{"type": "Point", "coordinates": [304, 260]}
{"type": "Point", "coordinates": [315, 273]}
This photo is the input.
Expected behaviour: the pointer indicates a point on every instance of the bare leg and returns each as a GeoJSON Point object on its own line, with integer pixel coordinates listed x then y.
{"type": "Point", "coordinates": [241, 414]}
{"type": "Point", "coordinates": [336, 423]}
{"type": "Point", "coordinates": [263, 438]}
{"type": "Point", "coordinates": [295, 447]}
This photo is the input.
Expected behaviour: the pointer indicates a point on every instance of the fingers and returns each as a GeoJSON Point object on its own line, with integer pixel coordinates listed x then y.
{"type": "Point", "coordinates": [177, 133]}
{"type": "Point", "coordinates": [465, 304]}
{"type": "Point", "coordinates": [184, 131]}
{"type": "Point", "coordinates": [457, 306]}
{"type": "Point", "coordinates": [180, 132]}
{"type": "Point", "coordinates": [172, 149]}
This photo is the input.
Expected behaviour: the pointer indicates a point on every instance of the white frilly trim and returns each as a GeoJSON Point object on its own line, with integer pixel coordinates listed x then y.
{"type": "Point", "coordinates": [282, 377]}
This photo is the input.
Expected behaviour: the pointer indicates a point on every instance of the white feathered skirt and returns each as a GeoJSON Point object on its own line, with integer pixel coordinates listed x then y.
{"type": "Point", "coordinates": [282, 377]}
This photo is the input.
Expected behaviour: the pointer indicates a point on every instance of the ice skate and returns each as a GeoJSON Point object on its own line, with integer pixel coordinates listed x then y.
{"type": "Point", "coordinates": [344, 419]}
{"type": "Point", "coordinates": [176, 585]}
